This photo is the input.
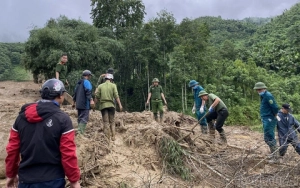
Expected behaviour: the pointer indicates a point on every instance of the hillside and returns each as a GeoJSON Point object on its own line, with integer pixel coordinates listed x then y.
{"type": "Point", "coordinates": [135, 160]}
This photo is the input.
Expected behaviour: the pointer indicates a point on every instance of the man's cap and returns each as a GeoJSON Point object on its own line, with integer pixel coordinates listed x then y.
{"type": "Point", "coordinates": [110, 71]}
{"type": "Point", "coordinates": [201, 93]}
{"type": "Point", "coordinates": [260, 85]}
{"type": "Point", "coordinates": [193, 83]}
{"type": "Point", "coordinates": [87, 73]}
{"type": "Point", "coordinates": [287, 107]}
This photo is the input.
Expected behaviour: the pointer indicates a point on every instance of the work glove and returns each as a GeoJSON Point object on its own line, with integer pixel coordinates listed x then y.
{"type": "Point", "coordinates": [278, 118]}
{"type": "Point", "coordinates": [193, 109]}
{"type": "Point", "coordinates": [92, 105]}
{"type": "Point", "coordinates": [201, 109]}
{"type": "Point", "coordinates": [211, 109]}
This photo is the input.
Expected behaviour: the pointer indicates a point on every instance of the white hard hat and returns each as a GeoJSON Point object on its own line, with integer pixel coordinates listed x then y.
{"type": "Point", "coordinates": [109, 76]}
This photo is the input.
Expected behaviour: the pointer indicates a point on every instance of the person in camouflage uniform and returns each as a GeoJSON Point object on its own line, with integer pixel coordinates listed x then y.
{"type": "Point", "coordinates": [156, 94]}
{"type": "Point", "coordinates": [107, 93]}
{"type": "Point", "coordinates": [61, 69]}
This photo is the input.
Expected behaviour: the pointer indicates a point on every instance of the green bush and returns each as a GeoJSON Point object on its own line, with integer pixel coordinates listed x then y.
{"type": "Point", "coordinates": [172, 155]}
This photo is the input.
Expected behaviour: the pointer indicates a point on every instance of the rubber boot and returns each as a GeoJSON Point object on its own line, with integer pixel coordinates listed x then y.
{"type": "Point", "coordinates": [113, 130]}
{"type": "Point", "coordinates": [223, 137]}
{"type": "Point", "coordinates": [80, 128]}
{"type": "Point", "coordinates": [106, 130]}
{"type": "Point", "coordinates": [161, 115]}
{"type": "Point", "coordinates": [155, 117]}
{"type": "Point", "coordinates": [83, 127]}
{"type": "Point", "coordinates": [274, 156]}
{"type": "Point", "coordinates": [204, 129]}
{"type": "Point", "coordinates": [212, 130]}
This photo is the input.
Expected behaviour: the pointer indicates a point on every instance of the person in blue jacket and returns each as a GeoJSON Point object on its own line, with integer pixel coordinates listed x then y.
{"type": "Point", "coordinates": [287, 126]}
{"type": "Point", "coordinates": [268, 113]}
{"type": "Point", "coordinates": [199, 105]}
{"type": "Point", "coordinates": [83, 100]}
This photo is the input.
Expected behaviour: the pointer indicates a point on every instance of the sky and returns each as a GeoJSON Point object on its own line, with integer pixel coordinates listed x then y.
{"type": "Point", "coordinates": [18, 17]}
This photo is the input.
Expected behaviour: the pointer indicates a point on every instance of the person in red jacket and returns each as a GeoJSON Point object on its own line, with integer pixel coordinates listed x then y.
{"type": "Point", "coordinates": [41, 150]}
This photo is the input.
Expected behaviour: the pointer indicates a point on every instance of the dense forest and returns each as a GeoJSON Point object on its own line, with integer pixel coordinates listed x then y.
{"type": "Point", "coordinates": [227, 57]}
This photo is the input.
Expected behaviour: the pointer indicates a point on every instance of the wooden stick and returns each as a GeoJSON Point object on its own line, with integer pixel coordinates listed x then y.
{"type": "Point", "coordinates": [193, 128]}
{"type": "Point", "coordinates": [212, 169]}
{"type": "Point", "coordinates": [182, 129]}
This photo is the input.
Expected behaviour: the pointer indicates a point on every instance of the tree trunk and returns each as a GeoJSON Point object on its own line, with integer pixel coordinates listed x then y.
{"type": "Point", "coordinates": [185, 96]}
{"type": "Point", "coordinates": [182, 99]}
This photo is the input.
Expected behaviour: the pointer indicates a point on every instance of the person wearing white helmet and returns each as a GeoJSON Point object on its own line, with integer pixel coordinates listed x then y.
{"type": "Point", "coordinates": [107, 93]}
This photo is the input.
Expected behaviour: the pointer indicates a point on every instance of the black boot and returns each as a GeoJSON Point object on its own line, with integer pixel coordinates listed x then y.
{"type": "Point", "coordinates": [212, 130]}
{"type": "Point", "coordinates": [223, 137]}
{"type": "Point", "coordinates": [204, 129]}
{"type": "Point", "coordinates": [155, 117]}
{"type": "Point", "coordinates": [161, 115]}
{"type": "Point", "coordinates": [274, 156]}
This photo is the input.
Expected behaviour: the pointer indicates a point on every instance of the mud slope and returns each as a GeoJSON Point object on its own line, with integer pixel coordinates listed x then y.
{"type": "Point", "coordinates": [134, 160]}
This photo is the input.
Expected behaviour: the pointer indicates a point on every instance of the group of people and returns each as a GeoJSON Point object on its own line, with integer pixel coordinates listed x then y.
{"type": "Point", "coordinates": [270, 114]}
{"type": "Point", "coordinates": [41, 150]}
{"type": "Point", "coordinates": [287, 125]}
{"type": "Point", "coordinates": [217, 113]}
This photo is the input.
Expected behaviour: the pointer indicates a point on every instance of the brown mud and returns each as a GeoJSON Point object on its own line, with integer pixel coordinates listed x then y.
{"type": "Point", "coordinates": [133, 159]}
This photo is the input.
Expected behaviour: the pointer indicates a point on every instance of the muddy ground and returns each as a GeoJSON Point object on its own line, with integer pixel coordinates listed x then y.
{"type": "Point", "coordinates": [134, 160]}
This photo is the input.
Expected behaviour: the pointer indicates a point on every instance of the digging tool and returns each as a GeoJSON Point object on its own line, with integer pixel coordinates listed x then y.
{"type": "Point", "coordinates": [68, 98]}
{"type": "Point", "coordinates": [192, 130]}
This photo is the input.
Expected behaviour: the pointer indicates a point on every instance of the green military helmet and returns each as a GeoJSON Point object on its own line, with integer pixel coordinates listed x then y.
{"type": "Point", "coordinates": [260, 85]}
{"type": "Point", "coordinates": [155, 80]}
{"type": "Point", "coordinates": [201, 93]}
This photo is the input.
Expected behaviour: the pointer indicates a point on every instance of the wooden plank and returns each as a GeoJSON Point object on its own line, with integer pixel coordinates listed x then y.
{"type": "Point", "coordinates": [68, 98]}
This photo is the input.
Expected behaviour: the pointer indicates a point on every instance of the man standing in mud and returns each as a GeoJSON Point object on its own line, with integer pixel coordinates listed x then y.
{"type": "Point", "coordinates": [268, 113]}
{"type": "Point", "coordinates": [83, 100]}
{"type": "Point", "coordinates": [156, 95]}
{"type": "Point", "coordinates": [107, 93]}
{"type": "Point", "coordinates": [287, 126]}
{"type": "Point", "coordinates": [217, 110]}
{"type": "Point", "coordinates": [41, 148]}
{"type": "Point", "coordinates": [62, 69]}
{"type": "Point", "coordinates": [199, 105]}
{"type": "Point", "coordinates": [101, 80]}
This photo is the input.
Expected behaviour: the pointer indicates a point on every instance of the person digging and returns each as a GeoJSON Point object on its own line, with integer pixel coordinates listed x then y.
{"type": "Point", "coordinates": [218, 111]}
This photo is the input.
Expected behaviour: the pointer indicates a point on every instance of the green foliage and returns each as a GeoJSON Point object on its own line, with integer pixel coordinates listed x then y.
{"type": "Point", "coordinates": [10, 54]}
{"type": "Point", "coordinates": [227, 57]}
{"type": "Point", "coordinates": [275, 46]}
{"type": "Point", "coordinates": [173, 155]}
{"type": "Point", "coordinates": [86, 49]}
{"type": "Point", "coordinates": [118, 15]}
{"type": "Point", "coordinates": [18, 73]}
